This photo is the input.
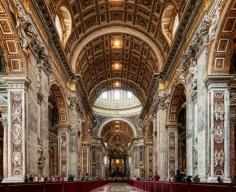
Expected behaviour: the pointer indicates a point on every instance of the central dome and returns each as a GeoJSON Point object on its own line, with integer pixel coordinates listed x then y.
{"type": "Point", "coordinates": [117, 102]}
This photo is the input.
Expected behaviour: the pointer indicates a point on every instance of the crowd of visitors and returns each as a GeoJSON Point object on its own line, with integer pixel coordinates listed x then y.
{"type": "Point", "coordinates": [179, 177]}
{"type": "Point", "coordinates": [50, 178]}
{"type": "Point", "coordinates": [61, 178]}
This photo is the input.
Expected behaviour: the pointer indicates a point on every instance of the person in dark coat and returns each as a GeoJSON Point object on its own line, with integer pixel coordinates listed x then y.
{"type": "Point", "coordinates": [179, 177]}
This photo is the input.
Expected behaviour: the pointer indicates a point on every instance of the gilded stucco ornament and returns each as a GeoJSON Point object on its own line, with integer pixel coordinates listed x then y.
{"type": "Point", "coordinates": [162, 101]}
{"type": "Point", "coordinates": [29, 37]}
{"type": "Point", "coordinates": [214, 19]}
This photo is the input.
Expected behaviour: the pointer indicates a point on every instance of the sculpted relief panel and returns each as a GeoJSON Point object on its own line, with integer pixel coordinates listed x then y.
{"type": "Point", "coordinates": [219, 117]}
{"type": "Point", "coordinates": [63, 153]}
{"type": "Point", "coordinates": [17, 133]}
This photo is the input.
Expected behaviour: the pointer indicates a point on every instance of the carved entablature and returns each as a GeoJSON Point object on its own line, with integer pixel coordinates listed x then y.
{"type": "Point", "coordinates": [29, 36]}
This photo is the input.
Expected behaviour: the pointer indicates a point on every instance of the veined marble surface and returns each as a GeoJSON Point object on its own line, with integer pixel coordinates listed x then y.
{"type": "Point", "coordinates": [117, 187]}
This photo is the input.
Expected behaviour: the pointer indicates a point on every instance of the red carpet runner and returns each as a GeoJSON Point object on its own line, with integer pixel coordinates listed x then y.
{"type": "Point", "coordinates": [90, 185]}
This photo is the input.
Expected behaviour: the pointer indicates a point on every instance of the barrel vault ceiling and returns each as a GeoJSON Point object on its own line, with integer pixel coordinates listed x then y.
{"type": "Point", "coordinates": [103, 66]}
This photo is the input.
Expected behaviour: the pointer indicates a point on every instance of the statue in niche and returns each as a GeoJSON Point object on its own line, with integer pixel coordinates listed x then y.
{"type": "Point", "coordinates": [195, 153]}
{"type": "Point", "coordinates": [40, 157]}
{"type": "Point", "coordinates": [219, 157]}
{"type": "Point", "coordinates": [140, 123]}
{"type": "Point", "coordinates": [219, 134]}
{"type": "Point", "coordinates": [214, 20]}
{"type": "Point", "coordinates": [17, 135]}
{"type": "Point", "coordinates": [17, 162]}
{"type": "Point", "coordinates": [193, 70]}
{"type": "Point", "coordinates": [180, 73]}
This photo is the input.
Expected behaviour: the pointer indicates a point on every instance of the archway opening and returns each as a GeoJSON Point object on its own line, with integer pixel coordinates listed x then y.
{"type": "Point", "coordinates": [182, 139]}
{"type": "Point", "coordinates": [117, 138]}
{"type": "Point", "coordinates": [53, 137]}
{"type": "Point", "coordinates": [57, 116]}
{"type": "Point", "coordinates": [232, 118]}
{"type": "Point", "coordinates": [177, 117]}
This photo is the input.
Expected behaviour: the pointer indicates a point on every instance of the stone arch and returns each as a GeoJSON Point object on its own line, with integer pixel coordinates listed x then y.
{"type": "Point", "coordinates": [9, 42]}
{"type": "Point", "coordinates": [169, 22]}
{"type": "Point", "coordinates": [177, 119]}
{"type": "Point", "coordinates": [57, 95]}
{"type": "Point", "coordinates": [117, 119]}
{"type": "Point", "coordinates": [177, 100]}
{"type": "Point", "coordinates": [222, 35]}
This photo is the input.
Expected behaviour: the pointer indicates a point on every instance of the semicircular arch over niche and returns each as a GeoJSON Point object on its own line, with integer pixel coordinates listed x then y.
{"type": "Point", "coordinates": [105, 122]}
{"type": "Point", "coordinates": [57, 96]}
{"type": "Point", "coordinates": [223, 32]}
{"type": "Point", "coordinates": [117, 135]}
{"type": "Point", "coordinates": [177, 100]}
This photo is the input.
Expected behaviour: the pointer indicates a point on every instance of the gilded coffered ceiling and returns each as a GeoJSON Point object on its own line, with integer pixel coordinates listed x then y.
{"type": "Point", "coordinates": [130, 67]}
{"type": "Point", "coordinates": [117, 135]}
{"type": "Point", "coordinates": [141, 15]}
{"type": "Point", "coordinates": [142, 46]}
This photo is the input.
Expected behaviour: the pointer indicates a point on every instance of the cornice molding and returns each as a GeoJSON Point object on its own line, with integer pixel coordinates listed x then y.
{"type": "Point", "coordinates": [188, 16]}
{"type": "Point", "coordinates": [53, 37]}
{"type": "Point", "coordinates": [187, 19]}
{"type": "Point", "coordinates": [46, 18]}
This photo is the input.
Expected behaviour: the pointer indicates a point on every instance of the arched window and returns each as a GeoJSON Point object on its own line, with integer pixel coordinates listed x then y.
{"type": "Point", "coordinates": [170, 22]}
{"type": "Point", "coordinates": [58, 26]}
{"type": "Point", "coordinates": [176, 24]}
{"type": "Point", "coordinates": [63, 23]}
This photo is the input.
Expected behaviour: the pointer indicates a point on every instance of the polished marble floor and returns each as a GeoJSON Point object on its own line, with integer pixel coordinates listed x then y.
{"type": "Point", "coordinates": [117, 187]}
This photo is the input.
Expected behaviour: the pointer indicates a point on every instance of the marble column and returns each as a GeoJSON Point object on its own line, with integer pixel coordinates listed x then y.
{"type": "Point", "coordinates": [172, 150]}
{"type": "Point", "coordinates": [161, 145]}
{"type": "Point", "coordinates": [63, 149]}
{"type": "Point", "coordinates": [218, 124]}
{"type": "Point", "coordinates": [16, 157]}
{"type": "Point", "coordinates": [75, 127]}
{"type": "Point", "coordinates": [155, 149]}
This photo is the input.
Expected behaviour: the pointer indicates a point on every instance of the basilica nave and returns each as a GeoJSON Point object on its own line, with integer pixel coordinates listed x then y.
{"type": "Point", "coordinates": [117, 89]}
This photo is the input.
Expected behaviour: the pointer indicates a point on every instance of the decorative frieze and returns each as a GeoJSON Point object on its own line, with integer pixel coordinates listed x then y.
{"type": "Point", "coordinates": [63, 149]}
{"type": "Point", "coordinates": [172, 154]}
{"type": "Point", "coordinates": [172, 150]}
